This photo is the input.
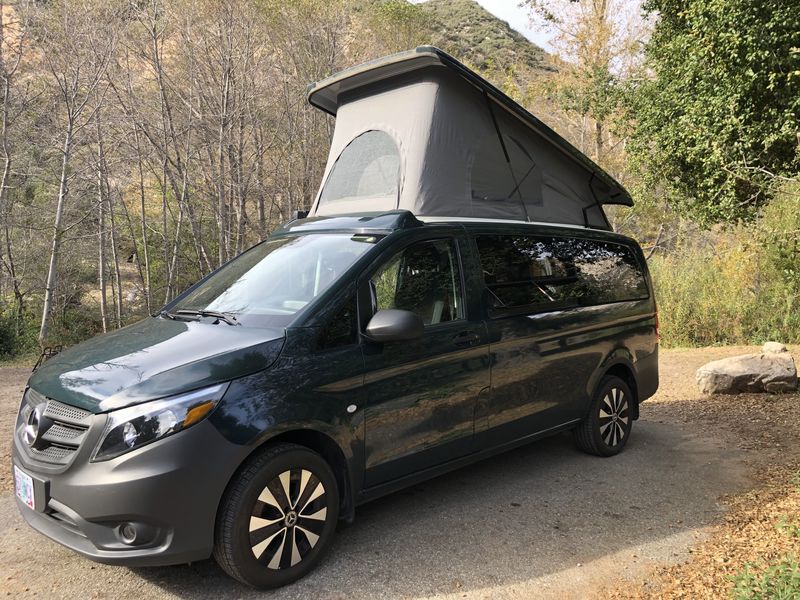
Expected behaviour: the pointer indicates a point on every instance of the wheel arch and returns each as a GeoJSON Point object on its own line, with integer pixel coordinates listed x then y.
{"type": "Point", "coordinates": [328, 449]}
{"type": "Point", "coordinates": [324, 445]}
{"type": "Point", "coordinates": [618, 363]}
{"type": "Point", "coordinates": [625, 371]}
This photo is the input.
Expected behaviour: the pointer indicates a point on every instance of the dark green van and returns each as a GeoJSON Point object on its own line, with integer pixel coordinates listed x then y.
{"type": "Point", "coordinates": [347, 356]}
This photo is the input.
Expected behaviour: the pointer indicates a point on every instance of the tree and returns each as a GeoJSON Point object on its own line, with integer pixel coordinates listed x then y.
{"type": "Point", "coordinates": [77, 43]}
{"type": "Point", "coordinates": [717, 124]}
{"type": "Point", "coordinates": [14, 48]}
{"type": "Point", "coordinates": [598, 46]}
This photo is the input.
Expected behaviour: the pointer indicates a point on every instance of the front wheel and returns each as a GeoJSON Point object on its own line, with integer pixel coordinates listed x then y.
{"type": "Point", "coordinates": [277, 518]}
{"type": "Point", "coordinates": [607, 427]}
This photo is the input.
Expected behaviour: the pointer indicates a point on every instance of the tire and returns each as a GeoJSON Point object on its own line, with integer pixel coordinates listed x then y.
{"type": "Point", "coordinates": [605, 430]}
{"type": "Point", "coordinates": [277, 518]}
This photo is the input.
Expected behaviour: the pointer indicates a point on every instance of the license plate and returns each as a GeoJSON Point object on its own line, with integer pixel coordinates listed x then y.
{"type": "Point", "coordinates": [23, 485]}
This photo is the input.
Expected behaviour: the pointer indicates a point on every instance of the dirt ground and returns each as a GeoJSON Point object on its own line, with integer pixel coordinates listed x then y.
{"type": "Point", "coordinates": [12, 384]}
{"type": "Point", "coordinates": [543, 521]}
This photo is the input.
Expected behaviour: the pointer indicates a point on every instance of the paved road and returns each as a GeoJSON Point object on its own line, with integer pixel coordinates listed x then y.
{"type": "Point", "coordinates": [542, 521]}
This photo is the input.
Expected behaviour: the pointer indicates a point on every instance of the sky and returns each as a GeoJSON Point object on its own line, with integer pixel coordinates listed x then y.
{"type": "Point", "coordinates": [518, 18]}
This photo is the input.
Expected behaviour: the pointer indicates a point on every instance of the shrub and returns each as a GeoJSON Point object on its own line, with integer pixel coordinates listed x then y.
{"type": "Point", "coordinates": [780, 581]}
{"type": "Point", "coordinates": [738, 285]}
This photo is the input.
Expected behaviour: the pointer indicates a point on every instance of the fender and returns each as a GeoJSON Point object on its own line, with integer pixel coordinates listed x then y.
{"type": "Point", "coordinates": [619, 357]}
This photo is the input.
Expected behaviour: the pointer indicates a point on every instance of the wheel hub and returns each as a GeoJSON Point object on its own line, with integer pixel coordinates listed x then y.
{"type": "Point", "coordinates": [291, 519]}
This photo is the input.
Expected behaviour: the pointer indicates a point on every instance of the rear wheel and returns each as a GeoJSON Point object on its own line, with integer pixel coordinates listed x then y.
{"type": "Point", "coordinates": [607, 427]}
{"type": "Point", "coordinates": [278, 517]}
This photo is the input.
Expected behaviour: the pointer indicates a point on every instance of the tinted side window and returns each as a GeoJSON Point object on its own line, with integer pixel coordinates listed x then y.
{"type": "Point", "coordinates": [550, 272]}
{"type": "Point", "coordinates": [425, 279]}
{"type": "Point", "coordinates": [342, 329]}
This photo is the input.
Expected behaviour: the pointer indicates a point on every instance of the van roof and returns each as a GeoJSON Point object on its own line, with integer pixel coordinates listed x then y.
{"type": "Point", "coordinates": [387, 222]}
{"type": "Point", "coordinates": [566, 174]}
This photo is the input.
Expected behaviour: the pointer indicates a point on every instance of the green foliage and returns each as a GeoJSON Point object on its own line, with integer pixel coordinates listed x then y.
{"type": "Point", "coordinates": [719, 120]}
{"type": "Point", "coordinates": [733, 286]}
{"type": "Point", "coordinates": [780, 581]}
{"type": "Point", "coordinates": [789, 527]}
{"type": "Point", "coordinates": [75, 324]}
{"type": "Point", "coordinates": [16, 337]}
{"type": "Point", "coordinates": [18, 333]}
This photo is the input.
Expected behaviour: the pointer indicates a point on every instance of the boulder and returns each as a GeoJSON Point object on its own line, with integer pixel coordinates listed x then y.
{"type": "Point", "coordinates": [775, 347]}
{"type": "Point", "coordinates": [749, 373]}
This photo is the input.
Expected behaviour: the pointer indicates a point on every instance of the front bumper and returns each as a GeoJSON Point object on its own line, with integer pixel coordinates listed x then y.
{"type": "Point", "coordinates": [168, 491]}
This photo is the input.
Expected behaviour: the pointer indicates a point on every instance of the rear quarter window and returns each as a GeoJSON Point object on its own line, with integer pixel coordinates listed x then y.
{"type": "Point", "coordinates": [545, 272]}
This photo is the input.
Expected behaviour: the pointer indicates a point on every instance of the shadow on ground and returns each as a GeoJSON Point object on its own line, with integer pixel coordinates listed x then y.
{"type": "Point", "coordinates": [511, 520]}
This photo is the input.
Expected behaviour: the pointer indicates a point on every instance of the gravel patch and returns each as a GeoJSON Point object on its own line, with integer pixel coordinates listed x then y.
{"type": "Point", "coordinates": [542, 521]}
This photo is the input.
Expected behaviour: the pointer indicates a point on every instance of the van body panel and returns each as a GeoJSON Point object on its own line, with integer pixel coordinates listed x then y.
{"type": "Point", "coordinates": [421, 401]}
{"type": "Point", "coordinates": [422, 394]}
{"type": "Point", "coordinates": [397, 413]}
{"type": "Point", "coordinates": [152, 359]}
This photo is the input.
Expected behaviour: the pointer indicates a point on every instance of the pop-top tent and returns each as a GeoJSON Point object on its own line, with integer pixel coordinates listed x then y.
{"type": "Point", "coordinates": [420, 131]}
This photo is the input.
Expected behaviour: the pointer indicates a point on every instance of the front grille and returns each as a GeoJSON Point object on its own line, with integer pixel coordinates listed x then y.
{"type": "Point", "coordinates": [67, 414]}
{"type": "Point", "coordinates": [53, 454]}
{"type": "Point", "coordinates": [61, 433]}
{"type": "Point", "coordinates": [67, 430]}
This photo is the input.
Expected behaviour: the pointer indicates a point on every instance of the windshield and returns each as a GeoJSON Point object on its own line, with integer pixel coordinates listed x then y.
{"type": "Point", "coordinates": [270, 283]}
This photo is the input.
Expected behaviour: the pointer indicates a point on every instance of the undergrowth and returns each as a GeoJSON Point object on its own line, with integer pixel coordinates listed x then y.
{"type": "Point", "coordinates": [739, 285]}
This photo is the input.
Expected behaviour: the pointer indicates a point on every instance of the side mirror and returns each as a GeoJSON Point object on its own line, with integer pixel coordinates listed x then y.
{"type": "Point", "coordinates": [393, 325]}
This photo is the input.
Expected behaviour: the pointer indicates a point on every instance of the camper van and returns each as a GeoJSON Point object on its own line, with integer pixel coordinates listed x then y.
{"type": "Point", "coordinates": [454, 292]}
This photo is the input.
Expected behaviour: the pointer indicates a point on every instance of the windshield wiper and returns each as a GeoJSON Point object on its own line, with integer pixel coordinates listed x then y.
{"type": "Point", "coordinates": [220, 316]}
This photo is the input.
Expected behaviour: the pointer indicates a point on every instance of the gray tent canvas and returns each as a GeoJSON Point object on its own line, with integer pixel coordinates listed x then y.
{"type": "Point", "coordinates": [420, 131]}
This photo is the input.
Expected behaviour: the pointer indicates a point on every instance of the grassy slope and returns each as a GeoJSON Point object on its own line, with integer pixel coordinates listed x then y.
{"type": "Point", "coordinates": [474, 35]}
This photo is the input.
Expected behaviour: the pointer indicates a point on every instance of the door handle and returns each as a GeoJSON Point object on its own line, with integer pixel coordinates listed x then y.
{"type": "Point", "coordinates": [466, 338]}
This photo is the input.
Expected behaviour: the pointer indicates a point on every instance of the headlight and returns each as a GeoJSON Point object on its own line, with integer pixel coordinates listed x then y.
{"type": "Point", "coordinates": [133, 427]}
{"type": "Point", "coordinates": [25, 410]}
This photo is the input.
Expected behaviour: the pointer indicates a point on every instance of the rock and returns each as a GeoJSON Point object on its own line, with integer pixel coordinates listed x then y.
{"type": "Point", "coordinates": [774, 347]}
{"type": "Point", "coordinates": [749, 373]}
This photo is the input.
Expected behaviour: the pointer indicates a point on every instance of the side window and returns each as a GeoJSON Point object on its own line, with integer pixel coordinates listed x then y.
{"type": "Point", "coordinates": [424, 279]}
{"type": "Point", "coordinates": [341, 329]}
{"type": "Point", "coordinates": [606, 272]}
{"type": "Point", "coordinates": [548, 273]}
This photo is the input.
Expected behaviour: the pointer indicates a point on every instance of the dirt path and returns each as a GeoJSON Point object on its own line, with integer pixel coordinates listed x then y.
{"type": "Point", "coordinates": [543, 521]}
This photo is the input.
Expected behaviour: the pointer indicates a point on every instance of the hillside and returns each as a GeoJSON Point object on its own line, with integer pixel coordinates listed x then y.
{"type": "Point", "coordinates": [475, 36]}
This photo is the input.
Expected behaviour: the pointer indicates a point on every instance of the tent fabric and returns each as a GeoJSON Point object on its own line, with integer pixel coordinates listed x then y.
{"type": "Point", "coordinates": [460, 152]}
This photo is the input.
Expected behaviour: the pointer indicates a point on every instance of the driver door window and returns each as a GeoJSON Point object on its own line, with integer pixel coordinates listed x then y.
{"type": "Point", "coordinates": [424, 279]}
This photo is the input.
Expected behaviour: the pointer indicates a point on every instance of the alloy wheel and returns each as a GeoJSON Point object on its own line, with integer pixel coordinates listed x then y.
{"type": "Point", "coordinates": [614, 417]}
{"type": "Point", "coordinates": [288, 519]}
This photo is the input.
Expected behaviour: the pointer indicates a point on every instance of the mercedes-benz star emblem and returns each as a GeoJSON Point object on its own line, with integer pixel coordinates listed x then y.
{"type": "Point", "coordinates": [31, 431]}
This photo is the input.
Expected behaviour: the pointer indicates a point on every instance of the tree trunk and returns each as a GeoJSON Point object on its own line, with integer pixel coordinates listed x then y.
{"type": "Point", "coordinates": [101, 244]}
{"type": "Point", "coordinates": [143, 222]}
{"type": "Point", "coordinates": [115, 258]}
{"type": "Point", "coordinates": [262, 215]}
{"type": "Point", "coordinates": [598, 141]}
{"type": "Point", "coordinates": [52, 270]}
{"type": "Point", "coordinates": [173, 262]}
{"type": "Point", "coordinates": [101, 227]}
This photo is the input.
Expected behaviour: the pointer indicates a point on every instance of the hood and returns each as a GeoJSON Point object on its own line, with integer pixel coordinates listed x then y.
{"type": "Point", "coordinates": [152, 359]}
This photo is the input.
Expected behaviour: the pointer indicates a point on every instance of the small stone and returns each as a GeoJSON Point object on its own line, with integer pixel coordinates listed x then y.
{"type": "Point", "coordinates": [773, 347]}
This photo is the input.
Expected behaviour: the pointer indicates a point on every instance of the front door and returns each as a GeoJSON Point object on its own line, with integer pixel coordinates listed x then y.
{"type": "Point", "coordinates": [421, 394]}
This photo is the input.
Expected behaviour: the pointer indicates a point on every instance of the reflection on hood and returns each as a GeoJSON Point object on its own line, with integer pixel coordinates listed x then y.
{"type": "Point", "coordinates": [152, 359]}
